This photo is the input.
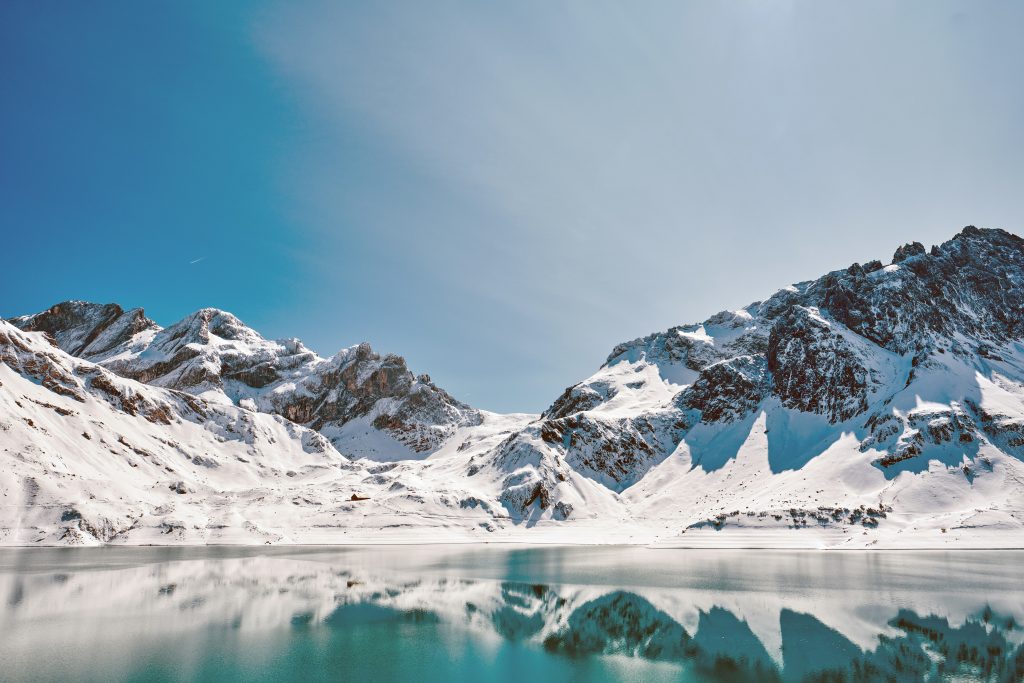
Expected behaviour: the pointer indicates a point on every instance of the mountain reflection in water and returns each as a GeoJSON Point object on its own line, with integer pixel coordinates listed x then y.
{"type": "Point", "coordinates": [438, 612]}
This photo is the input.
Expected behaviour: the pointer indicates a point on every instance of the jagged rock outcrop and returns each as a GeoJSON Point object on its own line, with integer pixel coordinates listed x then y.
{"type": "Point", "coordinates": [87, 330]}
{"type": "Point", "coordinates": [814, 369]}
{"type": "Point", "coordinates": [840, 347]}
{"type": "Point", "coordinates": [967, 286]}
{"type": "Point", "coordinates": [728, 390]}
{"type": "Point", "coordinates": [211, 353]}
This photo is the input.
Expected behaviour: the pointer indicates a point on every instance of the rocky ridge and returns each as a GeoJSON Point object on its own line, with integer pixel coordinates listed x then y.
{"type": "Point", "coordinates": [846, 350]}
{"type": "Point", "coordinates": [211, 353]}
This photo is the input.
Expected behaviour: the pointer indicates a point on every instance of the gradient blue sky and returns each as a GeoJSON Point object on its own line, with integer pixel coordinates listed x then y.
{"type": "Point", "coordinates": [498, 191]}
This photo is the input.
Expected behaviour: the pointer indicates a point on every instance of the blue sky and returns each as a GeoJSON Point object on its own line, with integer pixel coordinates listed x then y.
{"type": "Point", "coordinates": [500, 192]}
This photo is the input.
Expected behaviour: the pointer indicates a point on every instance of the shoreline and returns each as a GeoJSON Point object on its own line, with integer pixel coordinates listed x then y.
{"type": "Point", "coordinates": [952, 547]}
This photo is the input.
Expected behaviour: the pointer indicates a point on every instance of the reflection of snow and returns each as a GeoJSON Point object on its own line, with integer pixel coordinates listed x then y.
{"type": "Point", "coordinates": [687, 607]}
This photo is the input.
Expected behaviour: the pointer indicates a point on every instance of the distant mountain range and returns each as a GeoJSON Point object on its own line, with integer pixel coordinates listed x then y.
{"type": "Point", "coordinates": [880, 405]}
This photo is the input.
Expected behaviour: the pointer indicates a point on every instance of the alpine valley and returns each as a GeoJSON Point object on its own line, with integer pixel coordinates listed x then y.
{"type": "Point", "coordinates": [878, 406]}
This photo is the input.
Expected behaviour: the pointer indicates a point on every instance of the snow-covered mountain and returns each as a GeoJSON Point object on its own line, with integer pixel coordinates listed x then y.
{"type": "Point", "coordinates": [212, 354]}
{"type": "Point", "coordinates": [90, 456]}
{"type": "Point", "coordinates": [873, 394]}
{"type": "Point", "coordinates": [880, 404]}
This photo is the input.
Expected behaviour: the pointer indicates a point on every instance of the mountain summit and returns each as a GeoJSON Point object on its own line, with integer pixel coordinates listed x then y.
{"type": "Point", "coordinates": [896, 356]}
{"type": "Point", "coordinates": [880, 404]}
{"type": "Point", "coordinates": [213, 354]}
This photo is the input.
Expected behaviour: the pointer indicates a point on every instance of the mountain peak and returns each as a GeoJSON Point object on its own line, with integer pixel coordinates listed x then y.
{"type": "Point", "coordinates": [908, 250]}
{"type": "Point", "coordinates": [88, 329]}
{"type": "Point", "coordinates": [212, 353]}
{"type": "Point", "coordinates": [856, 351]}
{"type": "Point", "coordinates": [197, 328]}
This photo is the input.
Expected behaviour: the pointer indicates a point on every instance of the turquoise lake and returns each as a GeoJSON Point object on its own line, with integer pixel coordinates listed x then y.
{"type": "Point", "coordinates": [508, 613]}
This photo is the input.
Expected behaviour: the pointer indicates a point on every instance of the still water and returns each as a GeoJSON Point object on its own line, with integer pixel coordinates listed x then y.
{"type": "Point", "coordinates": [470, 613]}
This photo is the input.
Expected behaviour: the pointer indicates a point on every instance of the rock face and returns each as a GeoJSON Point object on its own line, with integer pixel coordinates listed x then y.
{"type": "Point", "coordinates": [968, 286]}
{"type": "Point", "coordinates": [727, 390]}
{"type": "Point", "coordinates": [815, 369]}
{"type": "Point", "coordinates": [90, 331]}
{"type": "Point", "coordinates": [211, 353]}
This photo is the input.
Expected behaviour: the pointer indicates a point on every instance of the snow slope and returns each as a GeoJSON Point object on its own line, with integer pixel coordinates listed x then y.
{"type": "Point", "coordinates": [878, 406]}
